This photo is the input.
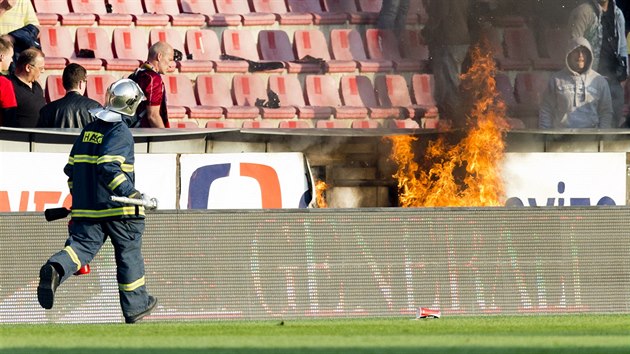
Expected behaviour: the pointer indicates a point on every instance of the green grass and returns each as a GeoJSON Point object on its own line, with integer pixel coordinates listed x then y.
{"type": "Point", "coordinates": [490, 335]}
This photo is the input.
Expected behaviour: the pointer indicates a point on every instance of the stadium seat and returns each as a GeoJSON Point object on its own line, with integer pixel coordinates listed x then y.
{"type": "Point", "coordinates": [97, 85]}
{"type": "Point", "coordinates": [384, 45]}
{"type": "Point", "coordinates": [213, 95]}
{"type": "Point", "coordinates": [346, 44]}
{"type": "Point", "coordinates": [350, 9]}
{"type": "Point", "coordinates": [202, 7]}
{"type": "Point", "coordinates": [171, 36]}
{"type": "Point", "coordinates": [49, 12]}
{"type": "Point", "coordinates": [313, 43]}
{"type": "Point", "coordinates": [520, 49]}
{"type": "Point", "coordinates": [275, 45]}
{"type": "Point", "coordinates": [54, 88]}
{"type": "Point", "coordinates": [130, 49]}
{"type": "Point", "coordinates": [202, 45]}
{"type": "Point", "coordinates": [260, 124]}
{"type": "Point", "coordinates": [59, 50]}
{"type": "Point", "coordinates": [322, 91]}
{"type": "Point", "coordinates": [97, 7]}
{"type": "Point", "coordinates": [239, 43]}
{"type": "Point", "coordinates": [221, 124]}
{"type": "Point", "coordinates": [279, 9]}
{"type": "Point", "coordinates": [528, 90]}
{"type": "Point", "coordinates": [357, 91]}
{"type": "Point", "coordinates": [248, 88]}
{"type": "Point", "coordinates": [135, 8]}
{"type": "Point", "coordinates": [241, 8]}
{"type": "Point", "coordinates": [294, 124]}
{"type": "Point", "coordinates": [97, 40]}
{"type": "Point", "coordinates": [180, 95]}
{"type": "Point", "coordinates": [406, 124]}
{"type": "Point", "coordinates": [423, 87]}
{"type": "Point", "coordinates": [190, 124]}
{"type": "Point", "coordinates": [315, 10]}
{"type": "Point", "coordinates": [171, 8]}
{"type": "Point", "coordinates": [290, 93]}
{"type": "Point", "coordinates": [331, 124]}
{"type": "Point", "coordinates": [393, 91]}
{"type": "Point", "coordinates": [365, 124]}
{"type": "Point", "coordinates": [553, 51]}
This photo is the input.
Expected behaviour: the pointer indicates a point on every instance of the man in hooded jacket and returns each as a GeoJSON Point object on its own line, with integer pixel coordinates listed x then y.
{"type": "Point", "coordinates": [577, 96]}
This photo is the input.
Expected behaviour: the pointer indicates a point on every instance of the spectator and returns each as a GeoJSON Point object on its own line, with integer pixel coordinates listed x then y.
{"type": "Point", "coordinates": [7, 95]}
{"type": "Point", "coordinates": [602, 23]}
{"type": "Point", "coordinates": [28, 92]}
{"type": "Point", "coordinates": [393, 15]}
{"type": "Point", "coordinates": [448, 37]}
{"type": "Point", "coordinates": [577, 96]}
{"type": "Point", "coordinates": [70, 111]}
{"type": "Point", "coordinates": [153, 113]}
{"type": "Point", "coordinates": [19, 24]}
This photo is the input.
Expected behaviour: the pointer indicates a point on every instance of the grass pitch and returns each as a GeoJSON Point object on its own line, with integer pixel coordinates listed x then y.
{"type": "Point", "coordinates": [488, 335]}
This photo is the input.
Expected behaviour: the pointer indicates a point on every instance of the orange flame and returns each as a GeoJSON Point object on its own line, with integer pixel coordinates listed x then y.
{"type": "Point", "coordinates": [320, 194]}
{"type": "Point", "coordinates": [477, 158]}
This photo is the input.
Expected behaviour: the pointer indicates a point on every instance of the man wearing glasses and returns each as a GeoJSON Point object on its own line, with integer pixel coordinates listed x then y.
{"type": "Point", "coordinates": [28, 92]}
{"type": "Point", "coordinates": [72, 110]}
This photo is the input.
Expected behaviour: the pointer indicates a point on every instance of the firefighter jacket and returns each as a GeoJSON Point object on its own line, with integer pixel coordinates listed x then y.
{"type": "Point", "coordinates": [100, 166]}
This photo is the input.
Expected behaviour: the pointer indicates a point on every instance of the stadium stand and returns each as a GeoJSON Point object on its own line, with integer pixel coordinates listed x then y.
{"type": "Point", "coordinates": [248, 89]}
{"type": "Point", "coordinates": [136, 8]}
{"type": "Point", "coordinates": [97, 85]}
{"type": "Point", "coordinates": [50, 12]}
{"type": "Point", "coordinates": [180, 95]}
{"type": "Point", "coordinates": [54, 88]}
{"type": "Point", "coordinates": [357, 90]}
{"type": "Point", "coordinates": [59, 50]}
{"type": "Point", "coordinates": [98, 9]}
{"type": "Point", "coordinates": [202, 51]}
{"type": "Point", "coordinates": [313, 44]}
{"type": "Point", "coordinates": [171, 8]}
{"type": "Point", "coordinates": [346, 44]}
{"type": "Point", "coordinates": [384, 45]}
{"type": "Point", "coordinates": [322, 91]}
{"type": "Point", "coordinates": [393, 91]}
{"type": "Point", "coordinates": [314, 8]}
{"type": "Point", "coordinates": [247, 17]}
{"type": "Point", "coordinates": [279, 9]}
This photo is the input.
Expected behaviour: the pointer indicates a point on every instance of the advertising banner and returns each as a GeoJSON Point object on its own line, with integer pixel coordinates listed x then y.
{"type": "Point", "coordinates": [565, 179]}
{"type": "Point", "coordinates": [244, 181]}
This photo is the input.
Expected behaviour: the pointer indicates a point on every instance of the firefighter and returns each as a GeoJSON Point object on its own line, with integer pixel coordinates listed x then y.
{"type": "Point", "coordinates": [101, 165]}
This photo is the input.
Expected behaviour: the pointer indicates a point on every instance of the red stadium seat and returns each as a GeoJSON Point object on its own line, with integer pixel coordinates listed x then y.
{"type": "Point", "coordinates": [202, 7]}
{"type": "Point", "coordinates": [275, 45]}
{"type": "Point", "coordinates": [130, 49]}
{"type": "Point", "coordinates": [313, 43]}
{"type": "Point", "coordinates": [347, 44]}
{"type": "Point", "coordinates": [223, 124]}
{"type": "Point", "coordinates": [97, 40]}
{"type": "Point", "coordinates": [357, 91]}
{"type": "Point", "coordinates": [241, 8]}
{"type": "Point", "coordinates": [384, 45]}
{"type": "Point", "coordinates": [180, 95]}
{"type": "Point", "coordinates": [528, 90]}
{"type": "Point", "coordinates": [553, 56]}
{"type": "Point", "coordinates": [294, 124]}
{"type": "Point", "coordinates": [49, 12]}
{"type": "Point", "coordinates": [290, 93]}
{"type": "Point", "coordinates": [393, 91]}
{"type": "Point", "coordinates": [245, 90]}
{"type": "Point", "coordinates": [350, 9]}
{"type": "Point", "coordinates": [135, 8]}
{"type": "Point", "coordinates": [171, 8]}
{"type": "Point", "coordinates": [204, 48]}
{"type": "Point", "coordinates": [260, 124]}
{"type": "Point", "coordinates": [239, 43]}
{"type": "Point", "coordinates": [414, 47]}
{"type": "Point", "coordinates": [520, 48]}
{"type": "Point", "coordinates": [423, 88]}
{"type": "Point", "coordinates": [405, 124]}
{"type": "Point", "coordinates": [214, 96]}
{"type": "Point", "coordinates": [331, 124]}
{"type": "Point", "coordinates": [365, 124]}
{"type": "Point", "coordinates": [314, 9]}
{"type": "Point", "coordinates": [97, 7]}
{"type": "Point", "coordinates": [59, 50]}
{"type": "Point", "coordinates": [248, 88]}
{"type": "Point", "coordinates": [97, 85]}
{"type": "Point", "coordinates": [322, 91]}
{"type": "Point", "coordinates": [184, 124]}
{"type": "Point", "coordinates": [279, 9]}
{"type": "Point", "coordinates": [54, 88]}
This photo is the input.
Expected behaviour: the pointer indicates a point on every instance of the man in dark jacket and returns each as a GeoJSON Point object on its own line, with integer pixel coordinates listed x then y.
{"type": "Point", "coordinates": [101, 165]}
{"type": "Point", "coordinates": [72, 110]}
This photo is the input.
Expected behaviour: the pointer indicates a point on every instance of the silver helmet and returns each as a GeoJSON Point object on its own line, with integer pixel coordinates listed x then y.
{"type": "Point", "coordinates": [124, 96]}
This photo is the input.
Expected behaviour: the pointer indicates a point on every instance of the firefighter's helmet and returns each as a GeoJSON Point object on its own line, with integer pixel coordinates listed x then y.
{"type": "Point", "coordinates": [124, 96]}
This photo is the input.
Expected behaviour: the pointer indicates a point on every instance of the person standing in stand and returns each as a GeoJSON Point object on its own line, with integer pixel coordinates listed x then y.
{"type": "Point", "coordinates": [29, 94]}
{"type": "Point", "coordinates": [8, 104]}
{"type": "Point", "coordinates": [153, 113]}
{"type": "Point", "coordinates": [602, 23]}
